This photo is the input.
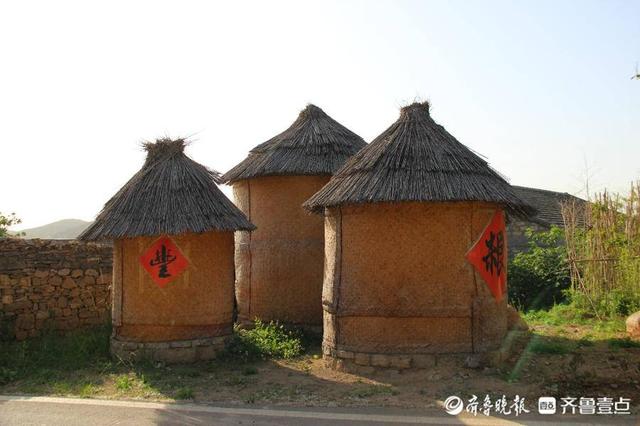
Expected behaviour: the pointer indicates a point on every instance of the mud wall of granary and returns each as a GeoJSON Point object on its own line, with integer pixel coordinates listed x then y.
{"type": "Point", "coordinates": [397, 280]}
{"type": "Point", "coordinates": [59, 285]}
{"type": "Point", "coordinates": [198, 303]}
{"type": "Point", "coordinates": [279, 266]}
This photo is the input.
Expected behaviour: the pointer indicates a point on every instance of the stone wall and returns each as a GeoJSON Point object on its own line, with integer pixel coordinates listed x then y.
{"type": "Point", "coordinates": [52, 285]}
{"type": "Point", "coordinates": [516, 236]}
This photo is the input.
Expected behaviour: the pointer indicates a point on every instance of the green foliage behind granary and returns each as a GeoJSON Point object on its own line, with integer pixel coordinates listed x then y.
{"type": "Point", "coordinates": [548, 205]}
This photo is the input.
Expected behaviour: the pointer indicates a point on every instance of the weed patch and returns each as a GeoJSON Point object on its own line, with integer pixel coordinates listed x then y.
{"type": "Point", "coordinates": [184, 393]}
{"type": "Point", "coordinates": [37, 358]}
{"type": "Point", "coordinates": [623, 343]}
{"type": "Point", "coordinates": [264, 341]}
{"type": "Point", "coordinates": [541, 346]}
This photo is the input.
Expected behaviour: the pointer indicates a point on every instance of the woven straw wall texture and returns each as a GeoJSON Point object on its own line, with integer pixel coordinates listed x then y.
{"type": "Point", "coordinates": [197, 304]}
{"type": "Point", "coordinates": [279, 266]}
{"type": "Point", "coordinates": [397, 280]}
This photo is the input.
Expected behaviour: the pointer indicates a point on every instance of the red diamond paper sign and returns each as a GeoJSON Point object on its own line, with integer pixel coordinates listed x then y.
{"type": "Point", "coordinates": [489, 256]}
{"type": "Point", "coordinates": [163, 261]}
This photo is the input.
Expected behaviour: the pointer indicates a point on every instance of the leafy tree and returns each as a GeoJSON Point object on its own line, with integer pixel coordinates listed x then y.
{"type": "Point", "coordinates": [6, 222]}
{"type": "Point", "coordinates": [540, 277]}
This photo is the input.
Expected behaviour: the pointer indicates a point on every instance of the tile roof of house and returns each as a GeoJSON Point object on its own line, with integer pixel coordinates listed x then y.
{"type": "Point", "coordinates": [548, 203]}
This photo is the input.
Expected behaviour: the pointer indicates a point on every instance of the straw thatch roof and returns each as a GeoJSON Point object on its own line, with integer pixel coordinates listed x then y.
{"type": "Point", "coordinates": [315, 144]}
{"type": "Point", "coordinates": [171, 194]}
{"type": "Point", "coordinates": [415, 159]}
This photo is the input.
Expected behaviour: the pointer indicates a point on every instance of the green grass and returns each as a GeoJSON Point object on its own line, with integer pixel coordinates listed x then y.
{"type": "Point", "coordinates": [123, 383]}
{"type": "Point", "coordinates": [264, 341]}
{"type": "Point", "coordinates": [567, 314]}
{"type": "Point", "coordinates": [39, 358]}
{"type": "Point", "coordinates": [623, 343]}
{"type": "Point", "coordinates": [542, 346]}
{"type": "Point", "coordinates": [184, 393]}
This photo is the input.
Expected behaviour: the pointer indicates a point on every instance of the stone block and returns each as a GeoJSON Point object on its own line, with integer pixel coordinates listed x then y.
{"type": "Point", "coordinates": [41, 274]}
{"type": "Point", "coordinates": [40, 315]}
{"type": "Point", "coordinates": [62, 302]}
{"type": "Point", "coordinates": [54, 280]}
{"type": "Point", "coordinates": [362, 359]}
{"type": "Point", "coordinates": [380, 360]}
{"type": "Point", "coordinates": [88, 280]}
{"type": "Point", "coordinates": [84, 313]}
{"type": "Point", "coordinates": [69, 283]}
{"type": "Point", "coordinates": [181, 344]}
{"type": "Point", "coordinates": [206, 352]}
{"type": "Point", "coordinates": [77, 273]}
{"type": "Point", "coordinates": [5, 281]}
{"type": "Point", "coordinates": [104, 279]}
{"type": "Point", "coordinates": [514, 320]}
{"type": "Point", "coordinates": [64, 272]}
{"type": "Point", "coordinates": [633, 325]}
{"type": "Point", "coordinates": [91, 272]}
{"type": "Point", "coordinates": [400, 361]}
{"type": "Point", "coordinates": [25, 321]}
{"type": "Point", "coordinates": [424, 361]}
{"type": "Point", "coordinates": [8, 299]}
{"type": "Point", "coordinates": [345, 354]}
{"type": "Point", "coordinates": [176, 355]}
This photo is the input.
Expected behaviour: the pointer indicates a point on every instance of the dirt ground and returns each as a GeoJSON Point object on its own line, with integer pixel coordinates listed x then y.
{"type": "Point", "coordinates": [560, 361]}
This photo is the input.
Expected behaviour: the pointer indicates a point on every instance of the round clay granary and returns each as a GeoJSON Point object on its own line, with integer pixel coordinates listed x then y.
{"type": "Point", "coordinates": [401, 219]}
{"type": "Point", "coordinates": [173, 274]}
{"type": "Point", "coordinates": [279, 266]}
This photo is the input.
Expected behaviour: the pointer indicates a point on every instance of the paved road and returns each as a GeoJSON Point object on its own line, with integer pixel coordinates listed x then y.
{"type": "Point", "coordinates": [16, 410]}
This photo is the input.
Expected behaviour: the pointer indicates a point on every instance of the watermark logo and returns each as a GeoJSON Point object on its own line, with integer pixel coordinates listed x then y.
{"type": "Point", "coordinates": [453, 405]}
{"type": "Point", "coordinates": [501, 405]}
{"type": "Point", "coordinates": [547, 405]}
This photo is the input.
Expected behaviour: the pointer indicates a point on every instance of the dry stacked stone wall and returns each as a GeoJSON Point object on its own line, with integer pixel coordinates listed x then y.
{"type": "Point", "coordinates": [57, 285]}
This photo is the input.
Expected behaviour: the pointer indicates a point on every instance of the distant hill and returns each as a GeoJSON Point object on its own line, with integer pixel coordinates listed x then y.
{"type": "Point", "coordinates": [62, 229]}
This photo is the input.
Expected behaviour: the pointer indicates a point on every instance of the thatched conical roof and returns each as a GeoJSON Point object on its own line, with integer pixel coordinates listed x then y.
{"type": "Point", "coordinates": [171, 194]}
{"type": "Point", "coordinates": [315, 144]}
{"type": "Point", "coordinates": [415, 159]}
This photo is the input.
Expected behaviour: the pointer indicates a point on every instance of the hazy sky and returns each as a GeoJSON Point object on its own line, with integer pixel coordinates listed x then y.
{"type": "Point", "coordinates": [539, 88]}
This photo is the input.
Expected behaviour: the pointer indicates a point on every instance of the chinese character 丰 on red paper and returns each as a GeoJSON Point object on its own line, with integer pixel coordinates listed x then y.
{"type": "Point", "coordinates": [164, 261]}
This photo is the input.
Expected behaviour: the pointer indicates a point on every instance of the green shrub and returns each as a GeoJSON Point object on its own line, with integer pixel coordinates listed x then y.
{"type": "Point", "coordinates": [539, 277]}
{"type": "Point", "coordinates": [264, 341]}
{"type": "Point", "coordinates": [123, 383]}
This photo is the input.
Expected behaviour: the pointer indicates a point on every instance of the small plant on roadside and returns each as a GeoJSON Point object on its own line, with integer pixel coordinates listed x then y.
{"type": "Point", "coordinates": [123, 383]}
{"type": "Point", "coordinates": [184, 393]}
{"type": "Point", "coordinates": [264, 341]}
